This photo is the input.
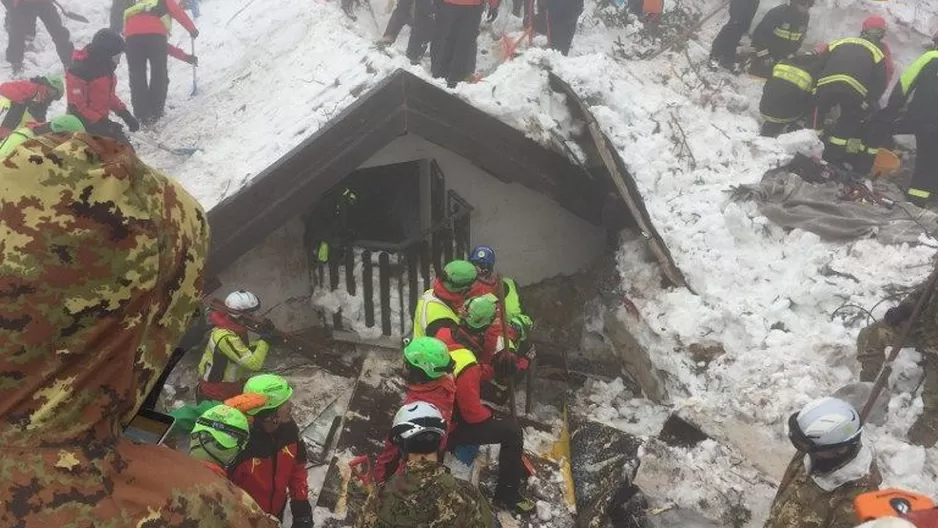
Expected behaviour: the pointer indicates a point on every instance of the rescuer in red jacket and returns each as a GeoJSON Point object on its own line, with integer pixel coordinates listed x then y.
{"type": "Point", "coordinates": [23, 15]}
{"type": "Point", "coordinates": [91, 86]}
{"type": "Point", "coordinates": [429, 379]}
{"type": "Point", "coordinates": [453, 49]}
{"type": "Point", "coordinates": [22, 102]}
{"type": "Point", "coordinates": [147, 25]}
{"type": "Point", "coordinates": [272, 468]}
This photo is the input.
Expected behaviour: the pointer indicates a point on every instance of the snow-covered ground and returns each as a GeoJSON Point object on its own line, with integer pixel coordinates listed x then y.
{"type": "Point", "coordinates": [271, 75]}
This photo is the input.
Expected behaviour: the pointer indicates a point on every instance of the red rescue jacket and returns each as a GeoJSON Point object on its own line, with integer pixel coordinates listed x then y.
{"type": "Point", "coordinates": [469, 408]}
{"type": "Point", "coordinates": [151, 23]}
{"type": "Point", "coordinates": [92, 88]}
{"type": "Point", "coordinates": [24, 96]}
{"type": "Point", "coordinates": [441, 393]}
{"type": "Point", "coordinates": [272, 468]}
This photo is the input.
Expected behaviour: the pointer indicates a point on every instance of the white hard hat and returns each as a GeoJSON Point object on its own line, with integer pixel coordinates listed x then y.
{"type": "Point", "coordinates": [417, 418]}
{"type": "Point", "coordinates": [242, 301]}
{"type": "Point", "coordinates": [829, 422]}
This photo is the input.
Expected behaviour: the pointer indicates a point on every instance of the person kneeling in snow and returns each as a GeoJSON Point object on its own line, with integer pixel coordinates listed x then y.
{"type": "Point", "coordinates": [831, 468]}
{"type": "Point", "coordinates": [429, 378]}
{"type": "Point", "coordinates": [426, 494]}
{"type": "Point", "coordinates": [273, 466]}
{"type": "Point", "coordinates": [107, 281]}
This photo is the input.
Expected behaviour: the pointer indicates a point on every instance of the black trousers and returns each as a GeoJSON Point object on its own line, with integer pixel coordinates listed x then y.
{"type": "Point", "coordinates": [419, 14]}
{"type": "Point", "coordinates": [452, 52]}
{"type": "Point", "coordinates": [23, 19]}
{"type": "Point", "coordinates": [741, 14]}
{"type": "Point", "coordinates": [561, 26]}
{"type": "Point", "coordinates": [925, 177]}
{"type": "Point", "coordinates": [8, 5]}
{"type": "Point", "coordinates": [400, 17]}
{"type": "Point", "coordinates": [845, 141]}
{"type": "Point", "coordinates": [511, 470]}
{"type": "Point", "coordinates": [148, 96]}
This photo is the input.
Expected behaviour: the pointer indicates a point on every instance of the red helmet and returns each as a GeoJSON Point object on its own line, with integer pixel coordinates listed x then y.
{"type": "Point", "coordinates": [874, 22]}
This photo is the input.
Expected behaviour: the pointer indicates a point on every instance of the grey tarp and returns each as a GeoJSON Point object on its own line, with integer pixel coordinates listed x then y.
{"type": "Point", "coordinates": [789, 201]}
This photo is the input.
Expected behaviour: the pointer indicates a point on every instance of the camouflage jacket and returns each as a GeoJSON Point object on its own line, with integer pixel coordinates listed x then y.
{"type": "Point", "coordinates": [426, 496]}
{"type": "Point", "coordinates": [924, 332]}
{"type": "Point", "coordinates": [814, 501]}
{"type": "Point", "coordinates": [101, 263]}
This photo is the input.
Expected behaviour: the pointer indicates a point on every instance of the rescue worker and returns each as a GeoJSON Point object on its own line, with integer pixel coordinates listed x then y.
{"type": "Point", "coordinates": [111, 281]}
{"type": "Point", "coordinates": [779, 35]}
{"type": "Point", "coordinates": [230, 356]}
{"type": "Point", "coordinates": [476, 425]}
{"type": "Point", "coordinates": [871, 349]}
{"type": "Point", "coordinates": [92, 87]}
{"type": "Point", "coordinates": [723, 50]}
{"type": "Point", "coordinates": [23, 15]}
{"type": "Point", "coordinates": [218, 437]}
{"type": "Point", "coordinates": [562, 16]}
{"type": "Point", "coordinates": [832, 466]}
{"type": "Point", "coordinates": [425, 494]}
{"type": "Point", "coordinates": [428, 373]}
{"type": "Point", "coordinates": [25, 102]}
{"type": "Point", "coordinates": [419, 14]}
{"type": "Point", "coordinates": [483, 257]}
{"type": "Point", "coordinates": [59, 125]}
{"type": "Point", "coordinates": [272, 469]}
{"type": "Point", "coordinates": [787, 94]}
{"type": "Point", "coordinates": [913, 107]}
{"type": "Point", "coordinates": [453, 49]}
{"type": "Point", "coordinates": [147, 24]}
{"type": "Point", "coordinates": [438, 307]}
{"type": "Point", "coordinates": [853, 78]}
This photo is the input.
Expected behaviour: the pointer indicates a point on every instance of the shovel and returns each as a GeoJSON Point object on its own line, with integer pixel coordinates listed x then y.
{"type": "Point", "coordinates": [195, 85]}
{"type": "Point", "coordinates": [68, 14]}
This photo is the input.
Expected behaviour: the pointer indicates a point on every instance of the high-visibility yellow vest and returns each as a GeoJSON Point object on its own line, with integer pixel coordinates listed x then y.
{"type": "Point", "coordinates": [429, 309]}
{"type": "Point", "coordinates": [145, 6]}
{"type": "Point", "coordinates": [5, 107]}
{"type": "Point", "coordinates": [228, 358]}
{"type": "Point", "coordinates": [878, 56]}
{"type": "Point", "coordinates": [463, 358]}
{"type": "Point", "coordinates": [795, 75]}
{"type": "Point", "coordinates": [15, 139]}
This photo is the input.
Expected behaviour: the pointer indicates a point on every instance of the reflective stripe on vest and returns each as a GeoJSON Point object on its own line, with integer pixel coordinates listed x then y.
{"type": "Point", "coordinates": [145, 6]}
{"type": "Point", "coordinates": [878, 55]}
{"type": "Point", "coordinates": [794, 75]}
{"type": "Point", "coordinates": [787, 35]}
{"type": "Point", "coordinates": [463, 358]}
{"type": "Point", "coordinates": [430, 308]}
{"type": "Point", "coordinates": [213, 359]}
{"type": "Point", "coordinates": [853, 83]}
{"type": "Point", "coordinates": [918, 193]}
{"type": "Point", "coordinates": [512, 299]}
{"type": "Point", "coordinates": [910, 75]}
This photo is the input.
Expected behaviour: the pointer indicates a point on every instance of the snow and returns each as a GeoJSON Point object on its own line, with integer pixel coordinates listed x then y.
{"type": "Point", "coordinates": [271, 77]}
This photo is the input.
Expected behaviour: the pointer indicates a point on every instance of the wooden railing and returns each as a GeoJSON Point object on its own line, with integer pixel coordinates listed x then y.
{"type": "Point", "coordinates": [390, 277]}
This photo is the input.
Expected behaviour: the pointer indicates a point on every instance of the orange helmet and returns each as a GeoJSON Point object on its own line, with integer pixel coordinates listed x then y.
{"type": "Point", "coordinates": [889, 503]}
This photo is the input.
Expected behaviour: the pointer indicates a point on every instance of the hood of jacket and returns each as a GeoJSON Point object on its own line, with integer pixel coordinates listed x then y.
{"type": "Point", "coordinates": [454, 300]}
{"type": "Point", "coordinates": [100, 272]}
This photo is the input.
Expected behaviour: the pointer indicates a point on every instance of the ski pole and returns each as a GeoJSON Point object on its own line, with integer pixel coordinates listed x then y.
{"type": "Point", "coordinates": [883, 376]}
{"type": "Point", "coordinates": [195, 86]}
{"type": "Point", "coordinates": [506, 340]}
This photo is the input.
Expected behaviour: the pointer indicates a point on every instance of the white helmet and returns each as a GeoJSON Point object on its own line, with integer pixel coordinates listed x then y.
{"type": "Point", "coordinates": [242, 301]}
{"type": "Point", "coordinates": [415, 419]}
{"type": "Point", "coordinates": [828, 422]}
{"type": "Point", "coordinates": [887, 522]}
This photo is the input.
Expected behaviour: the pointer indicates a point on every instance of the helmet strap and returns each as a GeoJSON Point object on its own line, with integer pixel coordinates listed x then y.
{"type": "Point", "coordinates": [210, 451]}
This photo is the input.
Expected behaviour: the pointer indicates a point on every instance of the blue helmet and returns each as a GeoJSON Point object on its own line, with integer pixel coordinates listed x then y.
{"type": "Point", "coordinates": [483, 257]}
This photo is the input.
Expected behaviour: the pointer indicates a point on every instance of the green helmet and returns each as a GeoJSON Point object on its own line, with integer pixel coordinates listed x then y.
{"type": "Point", "coordinates": [271, 386]}
{"type": "Point", "coordinates": [480, 311]}
{"type": "Point", "coordinates": [66, 123]}
{"type": "Point", "coordinates": [523, 324]}
{"type": "Point", "coordinates": [459, 275]}
{"type": "Point", "coordinates": [56, 83]}
{"type": "Point", "coordinates": [430, 355]}
{"type": "Point", "coordinates": [226, 425]}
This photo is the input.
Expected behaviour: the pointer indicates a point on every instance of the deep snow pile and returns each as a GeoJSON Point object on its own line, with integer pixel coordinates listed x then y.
{"type": "Point", "coordinates": [272, 76]}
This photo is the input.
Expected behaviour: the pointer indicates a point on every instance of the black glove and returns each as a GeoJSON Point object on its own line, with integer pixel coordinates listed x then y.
{"type": "Point", "coordinates": [192, 59]}
{"type": "Point", "coordinates": [195, 33]}
{"type": "Point", "coordinates": [302, 514]}
{"type": "Point", "coordinates": [131, 121]}
{"type": "Point", "coordinates": [897, 314]}
{"type": "Point", "coordinates": [505, 365]}
{"type": "Point", "coordinates": [493, 13]}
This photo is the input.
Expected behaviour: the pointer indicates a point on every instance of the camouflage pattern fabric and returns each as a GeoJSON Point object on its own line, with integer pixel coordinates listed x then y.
{"type": "Point", "coordinates": [801, 503]}
{"type": "Point", "coordinates": [426, 496]}
{"type": "Point", "coordinates": [875, 340]}
{"type": "Point", "coordinates": [100, 272]}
